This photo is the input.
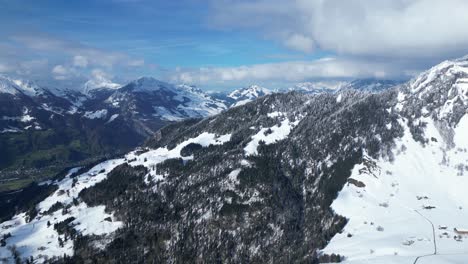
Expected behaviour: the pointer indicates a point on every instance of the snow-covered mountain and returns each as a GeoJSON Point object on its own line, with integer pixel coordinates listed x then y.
{"type": "Point", "coordinates": [69, 125]}
{"type": "Point", "coordinates": [352, 176]}
{"type": "Point", "coordinates": [148, 97]}
{"type": "Point", "coordinates": [17, 86]}
{"type": "Point", "coordinates": [318, 87]}
{"type": "Point", "coordinates": [369, 85]}
{"type": "Point", "coordinates": [413, 203]}
{"type": "Point", "coordinates": [24, 105]}
{"type": "Point", "coordinates": [99, 83]}
{"type": "Point", "coordinates": [366, 85]}
{"type": "Point", "coordinates": [248, 94]}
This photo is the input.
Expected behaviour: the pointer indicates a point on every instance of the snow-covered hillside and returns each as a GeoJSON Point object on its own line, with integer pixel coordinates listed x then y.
{"type": "Point", "coordinates": [373, 177]}
{"type": "Point", "coordinates": [43, 238]}
{"type": "Point", "coordinates": [412, 207]}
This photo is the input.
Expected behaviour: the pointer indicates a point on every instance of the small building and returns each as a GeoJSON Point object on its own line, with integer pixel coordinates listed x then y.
{"type": "Point", "coordinates": [461, 231]}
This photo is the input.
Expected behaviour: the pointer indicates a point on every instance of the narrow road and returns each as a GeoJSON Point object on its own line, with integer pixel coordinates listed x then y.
{"type": "Point", "coordinates": [433, 238]}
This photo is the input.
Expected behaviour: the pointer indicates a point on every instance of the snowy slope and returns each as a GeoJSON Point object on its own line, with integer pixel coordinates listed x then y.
{"type": "Point", "coordinates": [395, 196]}
{"type": "Point", "coordinates": [410, 206]}
{"type": "Point", "coordinates": [270, 135]}
{"type": "Point", "coordinates": [40, 240]}
{"type": "Point", "coordinates": [36, 238]}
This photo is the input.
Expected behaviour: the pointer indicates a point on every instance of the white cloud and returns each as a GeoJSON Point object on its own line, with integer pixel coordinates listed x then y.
{"type": "Point", "coordinates": [80, 61]}
{"type": "Point", "coordinates": [39, 56]}
{"type": "Point", "coordinates": [61, 72]}
{"type": "Point", "coordinates": [82, 55]}
{"type": "Point", "coordinates": [416, 28]}
{"type": "Point", "coordinates": [296, 71]}
{"type": "Point", "coordinates": [300, 42]}
{"type": "Point", "coordinates": [99, 74]}
{"type": "Point", "coordinates": [99, 79]}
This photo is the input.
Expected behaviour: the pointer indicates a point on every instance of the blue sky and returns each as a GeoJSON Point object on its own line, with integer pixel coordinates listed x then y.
{"type": "Point", "coordinates": [225, 43]}
{"type": "Point", "coordinates": [169, 33]}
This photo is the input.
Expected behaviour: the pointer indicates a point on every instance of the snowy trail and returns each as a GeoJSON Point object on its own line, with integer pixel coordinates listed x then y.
{"type": "Point", "coordinates": [433, 235]}
{"type": "Point", "coordinates": [435, 254]}
{"type": "Point", "coordinates": [433, 231]}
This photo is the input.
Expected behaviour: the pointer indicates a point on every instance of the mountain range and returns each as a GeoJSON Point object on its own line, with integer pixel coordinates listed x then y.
{"type": "Point", "coordinates": [45, 130]}
{"type": "Point", "coordinates": [366, 173]}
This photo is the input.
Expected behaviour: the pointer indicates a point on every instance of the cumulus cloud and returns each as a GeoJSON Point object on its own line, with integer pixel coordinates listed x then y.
{"type": "Point", "coordinates": [327, 68]}
{"type": "Point", "coordinates": [415, 28]}
{"type": "Point", "coordinates": [300, 42]}
{"type": "Point", "coordinates": [41, 56]}
{"type": "Point", "coordinates": [80, 61]}
{"type": "Point", "coordinates": [74, 53]}
{"type": "Point", "coordinates": [61, 72]}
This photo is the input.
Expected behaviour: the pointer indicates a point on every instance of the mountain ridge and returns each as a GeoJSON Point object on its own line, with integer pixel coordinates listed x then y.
{"type": "Point", "coordinates": [287, 177]}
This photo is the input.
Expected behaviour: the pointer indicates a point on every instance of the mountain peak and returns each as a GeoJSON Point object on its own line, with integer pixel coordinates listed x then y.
{"type": "Point", "coordinates": [148, 84]}
{"type": "Point", "coordinates": [8, 86]}
{"type": "Point", "coordinates": [190, 88]}
{"type": "Point", "coordinates": [456, 70]}
{"type": "Point", "coordinates": [99, 83]}
{"type": "Point", "coordinates": [15, 86]}
{"type": "Point", "coordinates": [248, 94]}
{"type": "Point", "coordinates": [251, 92]}
{"type": "Point", "coordinates": [441, 91]}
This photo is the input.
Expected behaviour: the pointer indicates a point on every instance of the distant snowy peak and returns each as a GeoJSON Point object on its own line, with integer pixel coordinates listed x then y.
{"type": "Point", "coordinates": [191, 89]}
{"type": "Point", "coordinates": [30, 88]}
{"type": "Point", "coordinates": [317, 87]}
{"type": "Point", "coordinates": [16, 86]}
{"type": "Point", "coordinates": [365, 85]}
{"type": "Point", "coordinates": [248, 94]}
{"type": "Point", "coordinates": [8, 86]}
{"type": "Point", "coordinates": [370, 85]}
{"type": "Point", "coordinates": [98, 84]}
{"type": "Point", "coordinates": [149, 98]}
{"type": "Point", "coordinates": [148, 84]}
